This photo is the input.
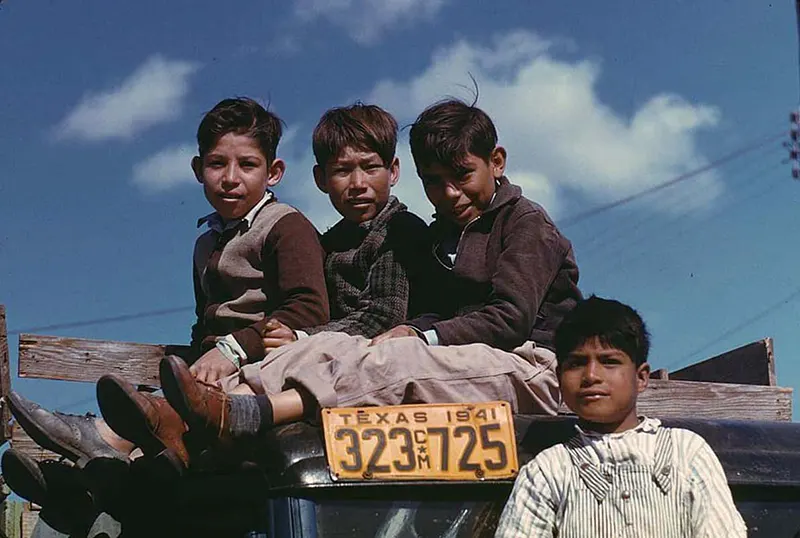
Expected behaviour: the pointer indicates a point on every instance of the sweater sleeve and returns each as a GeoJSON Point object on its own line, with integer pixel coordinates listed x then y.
{"type": "Point", "coordinates": [295, 287]}
{"type": "Point", "coordinates": [199, 331]}
{"type": "Point", "coordinates": [530, 259]}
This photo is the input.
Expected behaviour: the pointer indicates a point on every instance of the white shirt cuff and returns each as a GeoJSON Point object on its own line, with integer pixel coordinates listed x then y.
{"type": "Point", "coordinates": [300, 334]}
{"type": "Point", "coordinates": [432, 337]}
{"type": "Point", "coordinates": [229, 347]}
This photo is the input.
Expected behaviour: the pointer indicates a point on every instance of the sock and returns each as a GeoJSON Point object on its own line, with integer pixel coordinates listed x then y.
{"type": "Point", "coordinates": [250, 415]}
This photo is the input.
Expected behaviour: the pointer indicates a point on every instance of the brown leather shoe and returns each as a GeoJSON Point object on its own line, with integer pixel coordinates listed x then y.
{"type": "Point", "coordinates": [144, 419]}
{"type": "Point", "coordinates": [203, 406]}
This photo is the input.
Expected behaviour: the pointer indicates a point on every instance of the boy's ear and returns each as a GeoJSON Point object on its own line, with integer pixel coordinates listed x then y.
{"type": "Point", "coordinates": [497, 161]}
{"type": "Point", "coordinates": [197, 168]}
{"type": "Point", "coordinates": [642, 376]}
{"type": "Point", "coordinates": [394, 172]}
{"type": "Point", "coordinates": [319, 178]}
{"type": "Point", "coordinates": [276, 170]}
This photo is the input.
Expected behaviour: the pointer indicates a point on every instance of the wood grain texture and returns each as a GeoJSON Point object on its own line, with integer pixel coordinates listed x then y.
{"type": "Point", "coordinates": [12, 518]}
{"type": "Point", "coordinates": [5, 379]}
{"type": "Point", "coordinates": [694, 399]}
{"type": "Point", "coordinates": [29, 519]}
{"type": "Point", "coordinates": [751, 364]}
{"type": "Point", "coordinates": [80, 359]}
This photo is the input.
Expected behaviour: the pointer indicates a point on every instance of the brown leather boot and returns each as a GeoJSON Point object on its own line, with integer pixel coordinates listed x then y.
{"type": "Point", "coordinates": [203, 406]}
{"type": "Point", "coordinates": [144, 419]}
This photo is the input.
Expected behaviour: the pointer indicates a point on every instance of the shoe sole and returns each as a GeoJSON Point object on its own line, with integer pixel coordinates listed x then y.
{"type": "Point", "coordinates": [174, 394]}
{"type": "Point", "coordinates": [40, 435]}
{"type": "Point", "coordinates": [123, 415]}
{"type": "Point", "coordinates": [23, 476]}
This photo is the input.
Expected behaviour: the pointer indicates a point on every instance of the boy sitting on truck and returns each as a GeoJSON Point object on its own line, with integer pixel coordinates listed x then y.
{"type": "Point", "coordinates": [260, 261]}
{"type": "Point", "coordinates": [621, 474]}
{"type": "Point", "coordinates": [503, 278]}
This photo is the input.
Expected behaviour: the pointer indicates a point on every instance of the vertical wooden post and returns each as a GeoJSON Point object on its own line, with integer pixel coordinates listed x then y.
{"type": "Point", "coordinates": [5, 379]}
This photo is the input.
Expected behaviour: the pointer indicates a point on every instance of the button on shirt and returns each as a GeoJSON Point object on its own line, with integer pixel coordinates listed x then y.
{"type": "Point", "coordinates": [647, 482]}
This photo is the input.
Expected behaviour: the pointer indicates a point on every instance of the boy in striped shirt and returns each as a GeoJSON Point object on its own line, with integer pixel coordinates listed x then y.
{"type": "Point", "coordinates": [622, 474]}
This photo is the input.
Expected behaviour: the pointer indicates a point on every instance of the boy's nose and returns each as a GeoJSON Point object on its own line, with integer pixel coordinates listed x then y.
{"type": "Point", "coordinates": [358, 180]}
{"type": "Point", "coordinates": [590, 371]}
{"type": "Point", "coordinates": [231, 176]}
{"type": "Point", "coordinates": [451, 191]}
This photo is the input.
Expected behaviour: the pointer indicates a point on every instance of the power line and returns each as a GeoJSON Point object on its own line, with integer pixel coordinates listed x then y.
{"type": "Point", "coordinates": [103, 321]}
{"type": "Point", "coordinates": [749, 321]}
{"type": "Point", "coordinates": [569, 221]}
{"type": "Point", "coordinates": [624, 250]}
{"type": "Point", "coordinates": [627, 233]}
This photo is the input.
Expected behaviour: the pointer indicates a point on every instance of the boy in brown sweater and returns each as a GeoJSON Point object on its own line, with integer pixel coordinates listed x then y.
{"type": "Point", "coordinates": [260, 260]}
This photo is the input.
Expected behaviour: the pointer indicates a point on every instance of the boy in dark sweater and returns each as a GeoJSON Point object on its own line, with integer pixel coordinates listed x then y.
{"type": "Point", "coordinates": [505, 277]}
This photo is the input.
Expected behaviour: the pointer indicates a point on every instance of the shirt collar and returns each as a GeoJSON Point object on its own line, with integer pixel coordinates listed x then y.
{"type": "Point", "coordinates": [646, 425]}
{"type": "Point", "coordinates": [219, 225]}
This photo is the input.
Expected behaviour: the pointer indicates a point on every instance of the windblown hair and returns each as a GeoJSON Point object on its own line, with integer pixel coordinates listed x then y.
{"type": "Point", "coordinates": [358, 126]}
{"type": "Point", "coordinates": [444, 133]}
{"type": "Point", "coordinates": [244, 116]}
{"type": "Point", "coordinates": [615, 324]}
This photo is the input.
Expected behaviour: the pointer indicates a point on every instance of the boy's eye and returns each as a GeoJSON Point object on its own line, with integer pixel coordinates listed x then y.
{"type": "Point", "coordinates": [574, 362]}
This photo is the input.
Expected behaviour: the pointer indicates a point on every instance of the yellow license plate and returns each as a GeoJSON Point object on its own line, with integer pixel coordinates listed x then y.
{"type": "Point", "coordinates": [421, 442]}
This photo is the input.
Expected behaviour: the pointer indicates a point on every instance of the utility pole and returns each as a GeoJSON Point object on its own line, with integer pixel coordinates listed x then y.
{"type": "Point", "coordinates": [794, 117]}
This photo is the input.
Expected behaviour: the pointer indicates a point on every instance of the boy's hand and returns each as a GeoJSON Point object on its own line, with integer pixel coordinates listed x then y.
{"type": "Point", "coordinates": [401, 331]}
{"type": "Point", "coordinates": [276, 334]}
{"type": "Point", "coordinates": [212, 366]}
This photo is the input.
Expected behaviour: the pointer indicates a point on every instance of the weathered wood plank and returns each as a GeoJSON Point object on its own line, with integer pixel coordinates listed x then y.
{"type": "Point", "coordinates": [22, 442]}
{"type": "Point", "coordinates": [752, 364]}
{"type": "Point", "coordinates": [12, 518]}
{"type": "Point", "coordinates": [5, 379]}
{"type": "Point", "coordinates": [693, 399]}
{"type": "Point", "coordinates": [661, 373]}
{"type": "Point", "coordinates": [80, 359]}
{"type": "Point", "coordinates": [29, 519]}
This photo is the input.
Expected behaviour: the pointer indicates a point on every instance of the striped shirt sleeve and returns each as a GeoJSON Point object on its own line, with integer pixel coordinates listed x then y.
{"type": "Point", "coordinates": [714, 514]}
{"type": "Point", "coordinates": [531, 508]}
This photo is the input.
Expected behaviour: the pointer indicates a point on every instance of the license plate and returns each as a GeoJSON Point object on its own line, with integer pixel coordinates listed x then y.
{"type": "Point", "coordinates": [421, 442]}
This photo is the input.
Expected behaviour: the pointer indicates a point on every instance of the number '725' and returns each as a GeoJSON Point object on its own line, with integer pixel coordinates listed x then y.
{"type": "Point", "coordinates": [408, 441]}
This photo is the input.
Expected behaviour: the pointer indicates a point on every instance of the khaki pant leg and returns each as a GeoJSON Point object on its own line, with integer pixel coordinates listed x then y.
{"type": "Point", "coordinates": [406, 370]}
{"type": "Point", "coordinates": [310, 362]}
{"type": "Point", "coordinates": [341, 371]}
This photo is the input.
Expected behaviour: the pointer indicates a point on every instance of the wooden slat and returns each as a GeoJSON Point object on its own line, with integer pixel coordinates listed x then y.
{"type": "Point", "coordinates": [20, 441]}
{"type": "Point", "coordinates": [752, 364]}
{"type": "Point", "coordinates": [78, 359]}
{"type": "Point", "coordinates": [695, 399]}
{"type": "Point", "coordinates": [5, 379]}
{"type": "Point", "coordinates": [12, 518]}
{"type": "Point", "coordinates": [29, 520]}
{"type": "Point", "coordinates": [661, 373]}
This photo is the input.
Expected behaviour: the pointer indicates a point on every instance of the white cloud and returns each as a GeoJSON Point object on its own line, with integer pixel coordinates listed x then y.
{"type": "Point", "coordinates": [366, 20]}
{"type": "Point", "coordinates": [559, 134]}
{"type": "Point", "coordinates": [169, 168]}
{"type": "Point", "coordinates": [152, 94]}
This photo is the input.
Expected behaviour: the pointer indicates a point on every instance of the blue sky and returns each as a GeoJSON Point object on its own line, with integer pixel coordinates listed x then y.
{"type": "Point", "coordinates": [594, 101]}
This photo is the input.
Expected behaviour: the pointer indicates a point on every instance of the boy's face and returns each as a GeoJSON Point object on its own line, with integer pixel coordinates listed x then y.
{"type": "Point", "coordinates": [235, 174]}
{"type": "Point", "coordinates": [357, 182]}
{"type": "Point", "coordinates": [601, 385]}
{"type": "Point", "coordinates": [462, 194]}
